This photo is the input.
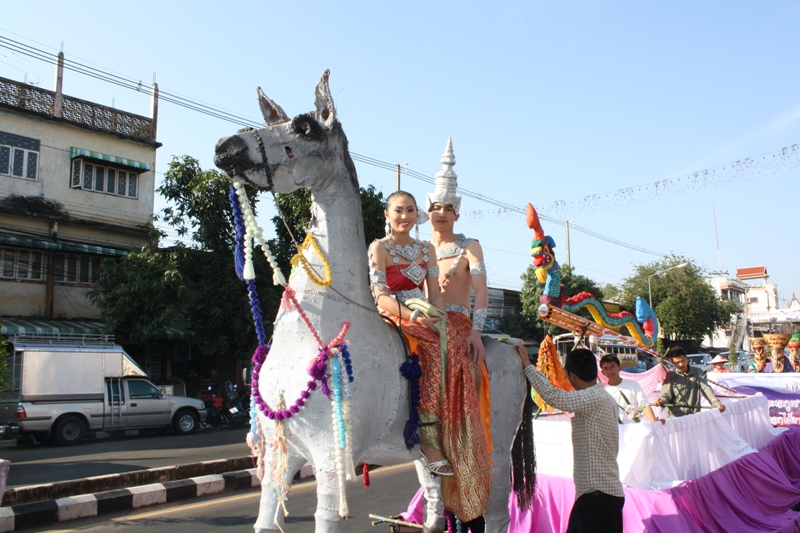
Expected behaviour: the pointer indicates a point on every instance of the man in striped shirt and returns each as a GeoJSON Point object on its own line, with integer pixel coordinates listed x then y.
{"type": "Point", "coordinates": [595, 441]}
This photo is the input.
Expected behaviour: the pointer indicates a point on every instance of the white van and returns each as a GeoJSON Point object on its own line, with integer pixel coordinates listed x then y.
{"type": "Point", "coordinates": [63, 388]}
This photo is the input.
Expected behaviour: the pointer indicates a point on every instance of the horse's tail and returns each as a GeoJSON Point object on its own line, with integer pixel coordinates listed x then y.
{"type": "Point", "coordinates": [523, 458]}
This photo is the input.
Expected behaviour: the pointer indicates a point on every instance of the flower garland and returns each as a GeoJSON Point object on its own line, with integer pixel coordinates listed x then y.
{"type": "Point", "coordinates": [412, 371]}
{"type": "Point", "coordinates": [300, 258]}
{"type": "Point", "coordinates": [341, 426]}
{"type": "Point", "coordinates": [317, 371]}
{"type": "Point", "coordinates": [327, 364]}
{"type": "Point", "coordinates": [280, 466]}
{"type": "Point", "coordinates": [247, 230]}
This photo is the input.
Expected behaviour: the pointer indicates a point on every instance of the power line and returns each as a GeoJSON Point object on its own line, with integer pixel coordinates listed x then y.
{"type": "Point", "coordinates": [128, 83]}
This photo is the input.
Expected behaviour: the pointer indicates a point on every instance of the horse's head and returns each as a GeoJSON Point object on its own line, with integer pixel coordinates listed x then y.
{"type": "Point", "coordinates": [288, 153]}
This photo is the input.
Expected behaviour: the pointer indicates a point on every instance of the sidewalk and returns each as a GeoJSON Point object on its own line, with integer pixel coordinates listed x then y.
{"type": "Point", "coordinates": [41, 505]}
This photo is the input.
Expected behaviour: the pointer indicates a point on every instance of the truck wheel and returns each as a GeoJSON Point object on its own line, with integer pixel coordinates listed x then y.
{"type": "Point", "coordinates": [43, 438]}
{"type": "Point", "coordinates": [185, 422]}
{"type": "Point", "coordinates": [69, 430]}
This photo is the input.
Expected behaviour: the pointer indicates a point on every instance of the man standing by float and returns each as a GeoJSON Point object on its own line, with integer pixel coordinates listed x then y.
{"type": "Point", "coordinates": [465, 422]}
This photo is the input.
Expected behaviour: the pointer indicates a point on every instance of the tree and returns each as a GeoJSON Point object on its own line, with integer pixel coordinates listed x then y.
{"type": "Point", "coordinates": [611, 292]}
{"type": "Point", "coordinates": [686, 305]}
{"type": "Point", "coordinates": [529, 325]}
{"type": "Point", "coordinates": [154, 288]}
{"type": "Point", "coordinates": [296, 209]}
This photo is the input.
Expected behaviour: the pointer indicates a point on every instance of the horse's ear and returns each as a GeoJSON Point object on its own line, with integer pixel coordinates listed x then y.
{"type": "Point", "coordinates": [272, 112]}
{"type": "Point", "coordinates": [326, 112]}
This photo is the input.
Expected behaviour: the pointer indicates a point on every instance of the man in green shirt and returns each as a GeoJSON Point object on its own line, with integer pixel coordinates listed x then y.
{"type": "Point", "coordinates": [683, 386]}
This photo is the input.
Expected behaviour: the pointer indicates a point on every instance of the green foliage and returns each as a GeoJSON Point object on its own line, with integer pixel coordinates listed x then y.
{"type": "Point", "coordinates": [372, 207]}
{"type": "Point", "coordinates": [151, 289]}
{"type": "Point", "coordinates": [733, 357]}
{"type": "Point", "coordinates": [532, 290]}
{"type": "Point", "coordinates": [611, 292]}
{"type": "Point", "coordinates": [154, 288]}
{"type": "Point", "coordinates": [296, 209]}
{"type": "Point", "coordinates": [686, 305]}
{"type": "Point", "coordinates": [142, 293]}
{"type": "Point", "coordinates": [201, 202]}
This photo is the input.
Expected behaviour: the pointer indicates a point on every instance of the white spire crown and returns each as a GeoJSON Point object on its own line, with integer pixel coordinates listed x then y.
{"type": "Point", "coordinates": [445, 185]}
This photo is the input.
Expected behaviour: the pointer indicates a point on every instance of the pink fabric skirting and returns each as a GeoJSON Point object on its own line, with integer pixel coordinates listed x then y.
{"type": "Point", "coordinates": [754, 493]}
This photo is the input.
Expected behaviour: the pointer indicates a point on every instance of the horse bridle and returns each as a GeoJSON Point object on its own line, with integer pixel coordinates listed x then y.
{"type": "Point", "coordinates": [264, 161]}
{"type": "Point", "coordinates": [265, 165]}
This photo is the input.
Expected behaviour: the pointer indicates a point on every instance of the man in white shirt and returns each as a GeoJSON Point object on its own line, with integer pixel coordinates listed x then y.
{"type": "Point", "coordinates": [629, 395]}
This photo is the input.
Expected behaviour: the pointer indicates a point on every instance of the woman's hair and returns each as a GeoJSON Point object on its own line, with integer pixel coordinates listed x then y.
{"type": "Point", "coordinates": [398, 194]}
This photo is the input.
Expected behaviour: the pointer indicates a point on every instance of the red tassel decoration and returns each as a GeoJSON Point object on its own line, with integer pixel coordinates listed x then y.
{"type": "Point", "coordinates": [365, 472]}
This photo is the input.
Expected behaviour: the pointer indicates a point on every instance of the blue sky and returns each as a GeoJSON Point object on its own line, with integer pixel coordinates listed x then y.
{"type": "Point", "coordinates": [545, 102]}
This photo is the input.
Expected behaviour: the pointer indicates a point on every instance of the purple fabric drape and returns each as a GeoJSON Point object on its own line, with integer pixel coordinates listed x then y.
{"type": "Point", "coordinates": [752, 494]}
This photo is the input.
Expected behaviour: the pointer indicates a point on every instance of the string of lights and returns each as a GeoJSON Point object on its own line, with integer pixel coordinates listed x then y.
{"type": "Point", "coordinates": [749, 168]}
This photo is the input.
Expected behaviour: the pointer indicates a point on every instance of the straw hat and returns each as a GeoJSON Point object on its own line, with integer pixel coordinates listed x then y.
{"type": "Point", "coordinates": [718, 359]}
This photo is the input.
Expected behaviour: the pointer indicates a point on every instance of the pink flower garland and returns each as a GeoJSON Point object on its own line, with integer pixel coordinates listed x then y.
{"type": "Point", "coordinates": [317, 370]}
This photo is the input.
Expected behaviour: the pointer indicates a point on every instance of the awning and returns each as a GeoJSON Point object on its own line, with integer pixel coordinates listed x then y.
{"type": "Point", "coordinates": [178, 332]}
{"type": "Point", "coordinates": [63, 246]}
{"type": "Point", "coordinates": [81, 152]}
{"type": "Point", "coordinates": [35, 326]}
{"type": "Point", "coordinates": [32, 326]}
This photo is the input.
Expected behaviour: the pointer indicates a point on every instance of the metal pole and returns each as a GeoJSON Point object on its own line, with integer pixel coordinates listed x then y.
{"type": "Point", "coordinates": [397, 177]}
{"type": "Point", "coordinates": [566, 226]}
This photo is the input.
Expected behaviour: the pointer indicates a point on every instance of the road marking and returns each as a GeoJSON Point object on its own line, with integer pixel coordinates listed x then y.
{"type": "Point", "coordinates": [179, 507]}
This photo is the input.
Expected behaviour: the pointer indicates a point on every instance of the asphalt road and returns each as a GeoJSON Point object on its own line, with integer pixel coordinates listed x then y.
{"type": "Point", "coordinates": [37, 463]}
{"type": "Point", "coordinates": [392, 488]}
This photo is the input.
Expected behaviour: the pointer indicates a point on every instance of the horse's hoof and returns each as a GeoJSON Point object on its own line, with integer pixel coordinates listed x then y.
{"type": "Point", "coordinates": [439, 526]}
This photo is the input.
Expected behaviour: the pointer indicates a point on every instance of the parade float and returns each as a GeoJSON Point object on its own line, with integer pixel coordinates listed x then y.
{"type": "Point", "coordinates": [328, 388]}
{"type": "Point", "coordinates": [712, 471]}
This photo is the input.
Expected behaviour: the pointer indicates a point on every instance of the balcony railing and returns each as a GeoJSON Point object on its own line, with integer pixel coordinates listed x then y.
{"type": "Point", "coordinates": [31, 98]}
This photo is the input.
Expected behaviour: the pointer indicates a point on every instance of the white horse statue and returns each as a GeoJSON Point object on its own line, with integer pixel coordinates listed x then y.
{"type": "Point", "coordinates": [311, 151]}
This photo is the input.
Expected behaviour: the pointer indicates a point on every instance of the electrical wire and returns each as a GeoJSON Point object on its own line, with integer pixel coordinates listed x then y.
{"type": "Point", "coordinates": [128, 83]}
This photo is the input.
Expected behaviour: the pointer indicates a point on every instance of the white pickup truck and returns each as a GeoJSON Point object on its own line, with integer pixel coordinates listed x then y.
{"type": "Point", "coordinates": [62, 390]}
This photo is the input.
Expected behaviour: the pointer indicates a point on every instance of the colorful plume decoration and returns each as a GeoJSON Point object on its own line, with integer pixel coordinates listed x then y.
{"type": "Point", "coordinates": [643, 327]}
{"type": "Point", "coordinates": [547, 270]}
{"type": "Point", "coordinates": [549, 365]}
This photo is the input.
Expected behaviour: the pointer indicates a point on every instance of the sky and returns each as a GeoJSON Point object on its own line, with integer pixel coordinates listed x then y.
{"type": "Point", "coordinates": [637, 121]}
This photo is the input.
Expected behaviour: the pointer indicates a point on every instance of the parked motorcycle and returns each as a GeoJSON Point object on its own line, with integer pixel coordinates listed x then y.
{"type": "Point", "coordinates": [218, 413]}
{"type": "Point", "coordinates": [236, 404]}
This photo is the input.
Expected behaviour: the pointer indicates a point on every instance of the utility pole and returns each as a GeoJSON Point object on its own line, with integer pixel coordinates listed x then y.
{"type": "Point", "coordinates": [397, 177]}
{"type": "Point", "coordinates": [566, 226]}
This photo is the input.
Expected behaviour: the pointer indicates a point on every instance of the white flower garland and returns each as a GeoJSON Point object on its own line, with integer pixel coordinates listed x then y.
{"type": "Point", "coordinates": [281, 484]}
{"type": "Point", "coordinates": [255, 233]}
{"type": "Point", "coordinates": [340, 414]}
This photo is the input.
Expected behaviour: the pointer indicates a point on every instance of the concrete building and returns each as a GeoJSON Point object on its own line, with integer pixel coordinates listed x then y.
{"type": "Point", "coordinates": [76, 186]}
{"type": "Point", "coordinates": [760, 312]}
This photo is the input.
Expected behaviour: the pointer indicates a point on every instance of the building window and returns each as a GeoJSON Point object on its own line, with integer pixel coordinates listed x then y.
{"type": "Point", "coordinates": [19, 156]}
{"type": "Point", "coordinates": [76, 268]}
{"type": "Point", "coordinates": [16, 263]}
{"type": "Point", "coordinates": [90, 176]}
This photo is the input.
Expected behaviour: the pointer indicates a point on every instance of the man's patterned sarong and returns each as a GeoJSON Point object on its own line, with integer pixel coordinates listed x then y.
{"type": "Point", "coordinates": [460, 434]}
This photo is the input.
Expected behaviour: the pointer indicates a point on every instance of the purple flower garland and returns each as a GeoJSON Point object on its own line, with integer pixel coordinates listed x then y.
{"type": "Point", "coordinates": [412, 371]}
{"type": "Point", "coordinates": [319, 366]}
